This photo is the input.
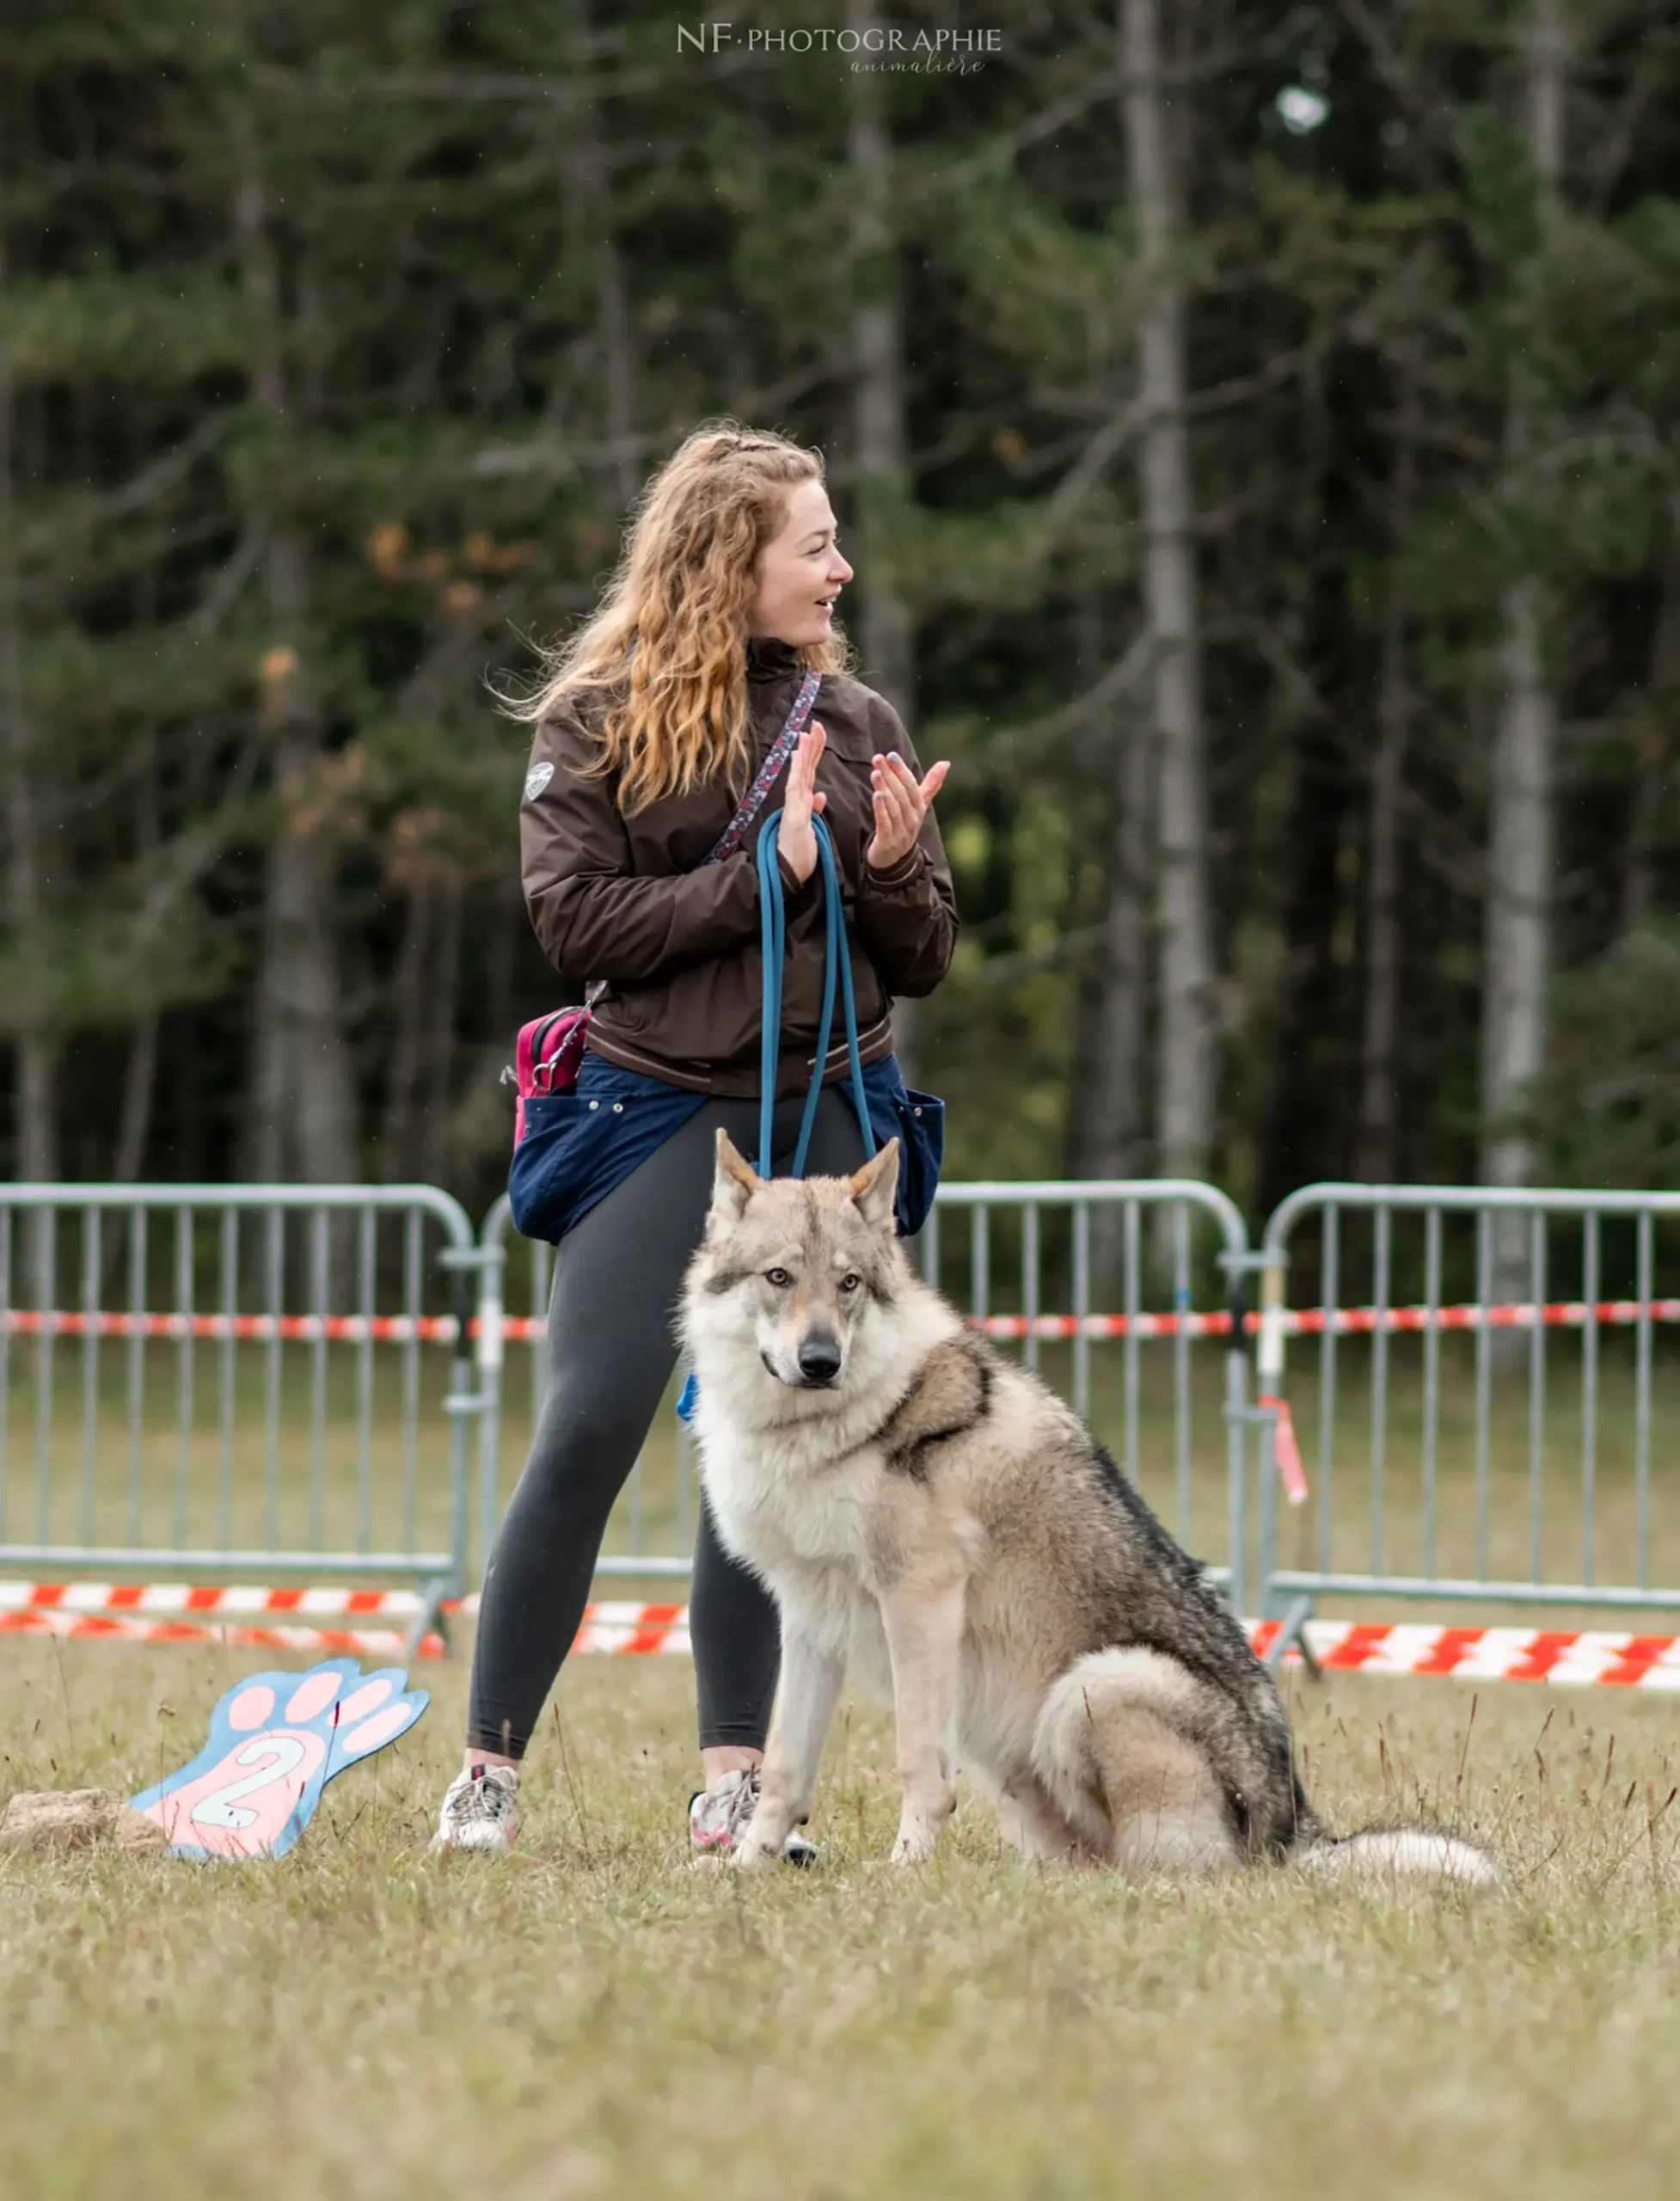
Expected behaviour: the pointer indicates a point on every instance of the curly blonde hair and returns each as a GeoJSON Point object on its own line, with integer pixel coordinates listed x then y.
{"type": "Point", "coordinates": [667, 645]}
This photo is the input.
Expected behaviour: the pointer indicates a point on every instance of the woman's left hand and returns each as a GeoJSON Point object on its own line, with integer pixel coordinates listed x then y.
{"type": "Point", "coordinates": [900, 806]}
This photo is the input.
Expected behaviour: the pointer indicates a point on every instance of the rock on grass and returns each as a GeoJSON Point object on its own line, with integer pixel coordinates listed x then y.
{"type": "Point", "coordinates": [76, 1818]}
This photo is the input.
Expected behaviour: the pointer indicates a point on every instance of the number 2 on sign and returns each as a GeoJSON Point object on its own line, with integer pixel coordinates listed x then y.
{"type": "Point", "coordinates": [274, 1756]}
{"type": "Point", "coordinates": [275, 1741]}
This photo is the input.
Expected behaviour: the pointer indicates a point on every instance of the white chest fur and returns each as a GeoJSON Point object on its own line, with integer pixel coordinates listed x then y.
{"type": "Point", "coordinates": [776, 1504]}
{"type": "Point", "coordinates": [802, 1524]}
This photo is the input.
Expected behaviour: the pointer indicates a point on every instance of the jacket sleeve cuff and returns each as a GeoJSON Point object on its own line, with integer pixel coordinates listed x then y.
{"type": "Point", "coordinates": [797, 892]}
{"type": "Point", "coordinates": [899, 873]}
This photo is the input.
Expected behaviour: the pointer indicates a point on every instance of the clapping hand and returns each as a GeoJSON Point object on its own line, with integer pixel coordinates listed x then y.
{"type": "Point", "coordinates": [900, 806]}
{"type": "Point", "coordinates": [795, 837]}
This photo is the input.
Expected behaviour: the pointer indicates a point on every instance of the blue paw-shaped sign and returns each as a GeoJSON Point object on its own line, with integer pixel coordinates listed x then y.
{"type": "Point", "coordinates": [275, 1742]}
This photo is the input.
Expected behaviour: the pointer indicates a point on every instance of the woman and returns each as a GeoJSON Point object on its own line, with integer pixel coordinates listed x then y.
{"type": "Point", "coordinates": [650, 727]}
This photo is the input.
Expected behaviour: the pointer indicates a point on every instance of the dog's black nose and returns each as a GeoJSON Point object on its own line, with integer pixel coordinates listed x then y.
{"type": "Point", "coordinates": [819, 1360]}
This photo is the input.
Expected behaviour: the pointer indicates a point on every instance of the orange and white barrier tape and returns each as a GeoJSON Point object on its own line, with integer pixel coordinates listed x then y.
{"type": "Point", "coordinates": [1286, 1450]}
{"type": "Point", "coordinates": [527, 1329]}
{"type": "Point", "coordinates": [380, 1642]}
{"type": "Point", "coordinates": [1342, 1321]}
{"type": "Point", "coordinates": [187, 1600]}
{"type": "Point", "coordinates": [1554, 1315]}
{"type": "Point", "coordinates": [244, 1329]}
{"type": "Point", "coordinates": [634, 1631]}
{"type": "Point", "coordinates": [174, 1612]}
{"type": "Point", "coordinates": [130, 1613]}
{"type": "Point", "coordinates": [1568, 1658]}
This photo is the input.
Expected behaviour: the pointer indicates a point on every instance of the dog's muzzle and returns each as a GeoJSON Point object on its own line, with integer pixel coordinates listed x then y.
{"type": "Point", "coordinates": [819, 1364]}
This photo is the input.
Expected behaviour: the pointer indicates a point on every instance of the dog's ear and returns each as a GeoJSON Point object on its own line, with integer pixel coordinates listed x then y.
{"type": "Point", "coordinates": [735, 1180]}
{"type": "Point", "coordinates": [876, 1185]}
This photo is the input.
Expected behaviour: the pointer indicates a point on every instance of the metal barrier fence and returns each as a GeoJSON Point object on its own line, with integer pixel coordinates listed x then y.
{"type": "Point", "coordinates": [1485, 1470]}
{"type": "Point", "coordinates": [315, 1443]}
{"type": "Point", "coordinates": [1015, 1253]}
{"type": "Point", "coordinates": [1465, 1438]}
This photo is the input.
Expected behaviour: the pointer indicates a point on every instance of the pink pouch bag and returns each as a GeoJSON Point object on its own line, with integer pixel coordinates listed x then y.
{"type": "Point", "coordinates": [549, 1054]}
{"type": "Point", "coordinates": [550, 1049]}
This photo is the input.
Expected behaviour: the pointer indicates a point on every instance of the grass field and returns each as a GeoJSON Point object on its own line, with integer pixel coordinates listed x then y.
{"type": "Point", "coordinates": [592, 2017]}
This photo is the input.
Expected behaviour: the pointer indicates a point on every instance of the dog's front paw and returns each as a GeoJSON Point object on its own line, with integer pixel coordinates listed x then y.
{"type": "Point", "coordinates": [914, 1846]}
{"type": "Point", "coordinates": [750, 1856]}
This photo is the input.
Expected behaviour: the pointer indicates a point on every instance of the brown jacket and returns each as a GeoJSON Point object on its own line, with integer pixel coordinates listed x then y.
{"type": "Point", "coordinates": [632, 900]}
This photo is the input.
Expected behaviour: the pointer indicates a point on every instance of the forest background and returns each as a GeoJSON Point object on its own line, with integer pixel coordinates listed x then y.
{"type": "Point", "coordinates": [1254, 429]}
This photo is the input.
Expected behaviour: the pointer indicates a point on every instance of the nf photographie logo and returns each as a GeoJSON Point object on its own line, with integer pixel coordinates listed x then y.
{"type": "Point", "coordinates": [885, 46]}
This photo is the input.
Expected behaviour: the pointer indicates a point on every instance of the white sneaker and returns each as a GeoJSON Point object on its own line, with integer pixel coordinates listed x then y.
{"type": "Point", "coordinates": [481, 1809]}
{"type": "Point", "coordinates": [719, 1817]}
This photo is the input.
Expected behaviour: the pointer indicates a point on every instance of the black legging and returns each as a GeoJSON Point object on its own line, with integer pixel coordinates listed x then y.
{"type": "Point", "coordinates": [611, 1349]}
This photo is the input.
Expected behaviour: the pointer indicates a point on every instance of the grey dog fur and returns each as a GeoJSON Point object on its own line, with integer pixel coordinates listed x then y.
{"type": "Point", "coordinates": [934, 1517]}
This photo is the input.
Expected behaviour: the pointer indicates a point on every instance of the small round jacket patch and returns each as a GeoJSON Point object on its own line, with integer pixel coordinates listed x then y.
{"type": "Point", "coordinates": [536, 779]}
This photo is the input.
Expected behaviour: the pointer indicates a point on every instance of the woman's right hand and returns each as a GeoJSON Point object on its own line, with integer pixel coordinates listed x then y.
{"type": "Point", "coordinates": [795, 837]}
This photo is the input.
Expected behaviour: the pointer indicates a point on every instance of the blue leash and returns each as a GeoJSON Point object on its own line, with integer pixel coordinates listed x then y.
{"type": "Point", "coordinates": [773, 932]}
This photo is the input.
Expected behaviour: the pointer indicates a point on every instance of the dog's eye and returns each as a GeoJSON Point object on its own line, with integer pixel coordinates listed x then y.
{"type": "Point", "coordinates": [850, 1283]}
{"type": "Point", "coordinates": [777, 1277]}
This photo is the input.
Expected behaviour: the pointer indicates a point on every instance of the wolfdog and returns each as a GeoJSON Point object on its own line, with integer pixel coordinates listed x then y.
{"type": "Point", "coordinates": [930, 1515]}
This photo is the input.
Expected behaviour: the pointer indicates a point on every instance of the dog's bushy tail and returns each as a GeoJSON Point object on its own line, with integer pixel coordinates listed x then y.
{"type": "Point", "coordinates": [1402, 1850]}
{"type": "Point", "coordinates": [1152, 1765]}
{"type": "Point", "coordinates": [1121, 1745]}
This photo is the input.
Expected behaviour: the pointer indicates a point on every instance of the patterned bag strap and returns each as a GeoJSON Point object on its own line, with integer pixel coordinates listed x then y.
{"type": "Point", "coordinates": [735, 832]}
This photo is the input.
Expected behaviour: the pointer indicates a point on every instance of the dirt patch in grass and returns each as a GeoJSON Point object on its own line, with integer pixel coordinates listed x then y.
{"type": "Point", "coordinates": [594, 2018]}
